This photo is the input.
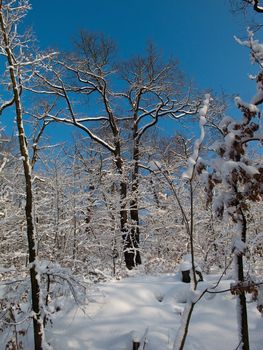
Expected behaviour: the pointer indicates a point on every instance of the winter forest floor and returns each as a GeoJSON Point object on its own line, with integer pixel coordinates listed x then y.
{"type": "Point", "coordinates": [150, 307]}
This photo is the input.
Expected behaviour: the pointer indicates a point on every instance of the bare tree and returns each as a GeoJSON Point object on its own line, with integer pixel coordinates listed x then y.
{"type": "Point", "coordinates": [240, 179]}
{"type": "Point", "coordinates": [13, 50]}
{"type": "Point", "coordinates": [152, 89]}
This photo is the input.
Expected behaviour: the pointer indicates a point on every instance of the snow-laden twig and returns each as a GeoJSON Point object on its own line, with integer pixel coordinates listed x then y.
{"type": "Point", "coordinates": [192, 161]}
{"type": "Point", "coordinates": [5, 160]}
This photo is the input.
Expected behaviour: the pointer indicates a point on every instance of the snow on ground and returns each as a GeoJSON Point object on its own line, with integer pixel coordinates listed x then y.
{"type": "Point", "coordinates": [151, 307]}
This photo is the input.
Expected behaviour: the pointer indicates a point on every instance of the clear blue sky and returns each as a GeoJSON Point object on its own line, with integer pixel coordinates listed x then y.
{"type": "Point", "coordinates": [197, 32]}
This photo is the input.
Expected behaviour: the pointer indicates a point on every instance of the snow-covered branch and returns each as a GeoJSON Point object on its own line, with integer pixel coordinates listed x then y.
{"type": "Point", "coordinates": [192, 161]}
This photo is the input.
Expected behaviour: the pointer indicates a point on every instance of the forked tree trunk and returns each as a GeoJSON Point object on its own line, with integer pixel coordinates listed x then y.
{"type": "Point", "coordinates": [130, 244]}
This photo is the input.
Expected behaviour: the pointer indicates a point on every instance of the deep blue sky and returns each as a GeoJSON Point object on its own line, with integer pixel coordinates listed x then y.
{"type": "Point", "coordinates": [198, 33]}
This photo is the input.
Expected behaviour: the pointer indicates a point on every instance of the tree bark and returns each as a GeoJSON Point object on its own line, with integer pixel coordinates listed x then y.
{"type": "Point", "coordinates": [134, 210]}
{"type": "Point", "coordinates": [35, 287]}
{"type": "Point", "coordinates": [183, 331]}
{"type": "Point", "coordinates": [127, 244]}
{"type": "Point", "coordinates": [243, 319]}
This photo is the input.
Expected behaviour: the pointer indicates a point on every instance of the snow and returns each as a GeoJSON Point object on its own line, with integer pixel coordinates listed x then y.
{"type": "Point", "coordinates": [4, 161]}
{"type": "Point", "coordinates": [256, 57]}
{"type": "Point", "coordinates": [238, 246]}
{"type": "Point", "coordinates": [256, 48]}
{"type": "Point", "coordinates": [259, 94]}
{"type": "Point", "coordinates": [188, 174]}
{"type": "Point", "coordinates": [154, 165]}
{"type": "Point", "coordinates": [225, 122]}
{"type": "Point", "coordinates": [250, 106]}
{"type": "Point", "coordinates": [185, 266]}
{"type": "Point", "coordinates": [150, 309]}
{"type": "Point", "coordinates": [250, 170]}
{"type": "Point", "coordinates": [226, 167]}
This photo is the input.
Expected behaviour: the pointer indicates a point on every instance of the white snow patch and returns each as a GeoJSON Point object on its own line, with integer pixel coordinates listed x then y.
{"type": "Point", "coordinates": [151, 308]}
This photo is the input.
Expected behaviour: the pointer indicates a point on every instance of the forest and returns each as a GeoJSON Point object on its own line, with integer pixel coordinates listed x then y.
{"type": "Point", "coordinates": [124, 218]}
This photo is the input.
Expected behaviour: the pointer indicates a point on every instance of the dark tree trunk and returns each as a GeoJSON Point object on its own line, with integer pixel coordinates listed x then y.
{"type": "Point", "coordinates": [130, 238]}
{"type": "Point", "coordinates": [187, 324]}
{"type": "Point", "coordinates": [186, 276]}
{"type": "Point", "coordinates": [35, 288]}
{"type": "Point", "coordinates": [242, 297]}
{"type": "Point", "coordinates": [134, 237]}
{"type": "Point", "coordinates": [128, 247]}
{"type": "Point", "coordinates": [243, 307]}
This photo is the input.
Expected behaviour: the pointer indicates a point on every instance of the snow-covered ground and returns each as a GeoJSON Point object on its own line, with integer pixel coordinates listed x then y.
{"type": "Point", "coordinates": [150, 307]}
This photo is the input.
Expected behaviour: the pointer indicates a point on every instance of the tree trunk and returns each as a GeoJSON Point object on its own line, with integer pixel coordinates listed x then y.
{"type": "Point", "coordinates": [242, 305]}
{"type": "Point", "coordinates": [35, 287]}
{"type": "Point", "coordinates": [130, 241]}
{"type": "Point", "coordinates": [184, 327]}
{"type": "Point", "coordinates": [242, 309]}
{"type": "Point", "coordinates": [189, 308]}
{"type": "Point", "coordinates": [134, 211]}
{"type": "Point", "coordinates": [128, 248]}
